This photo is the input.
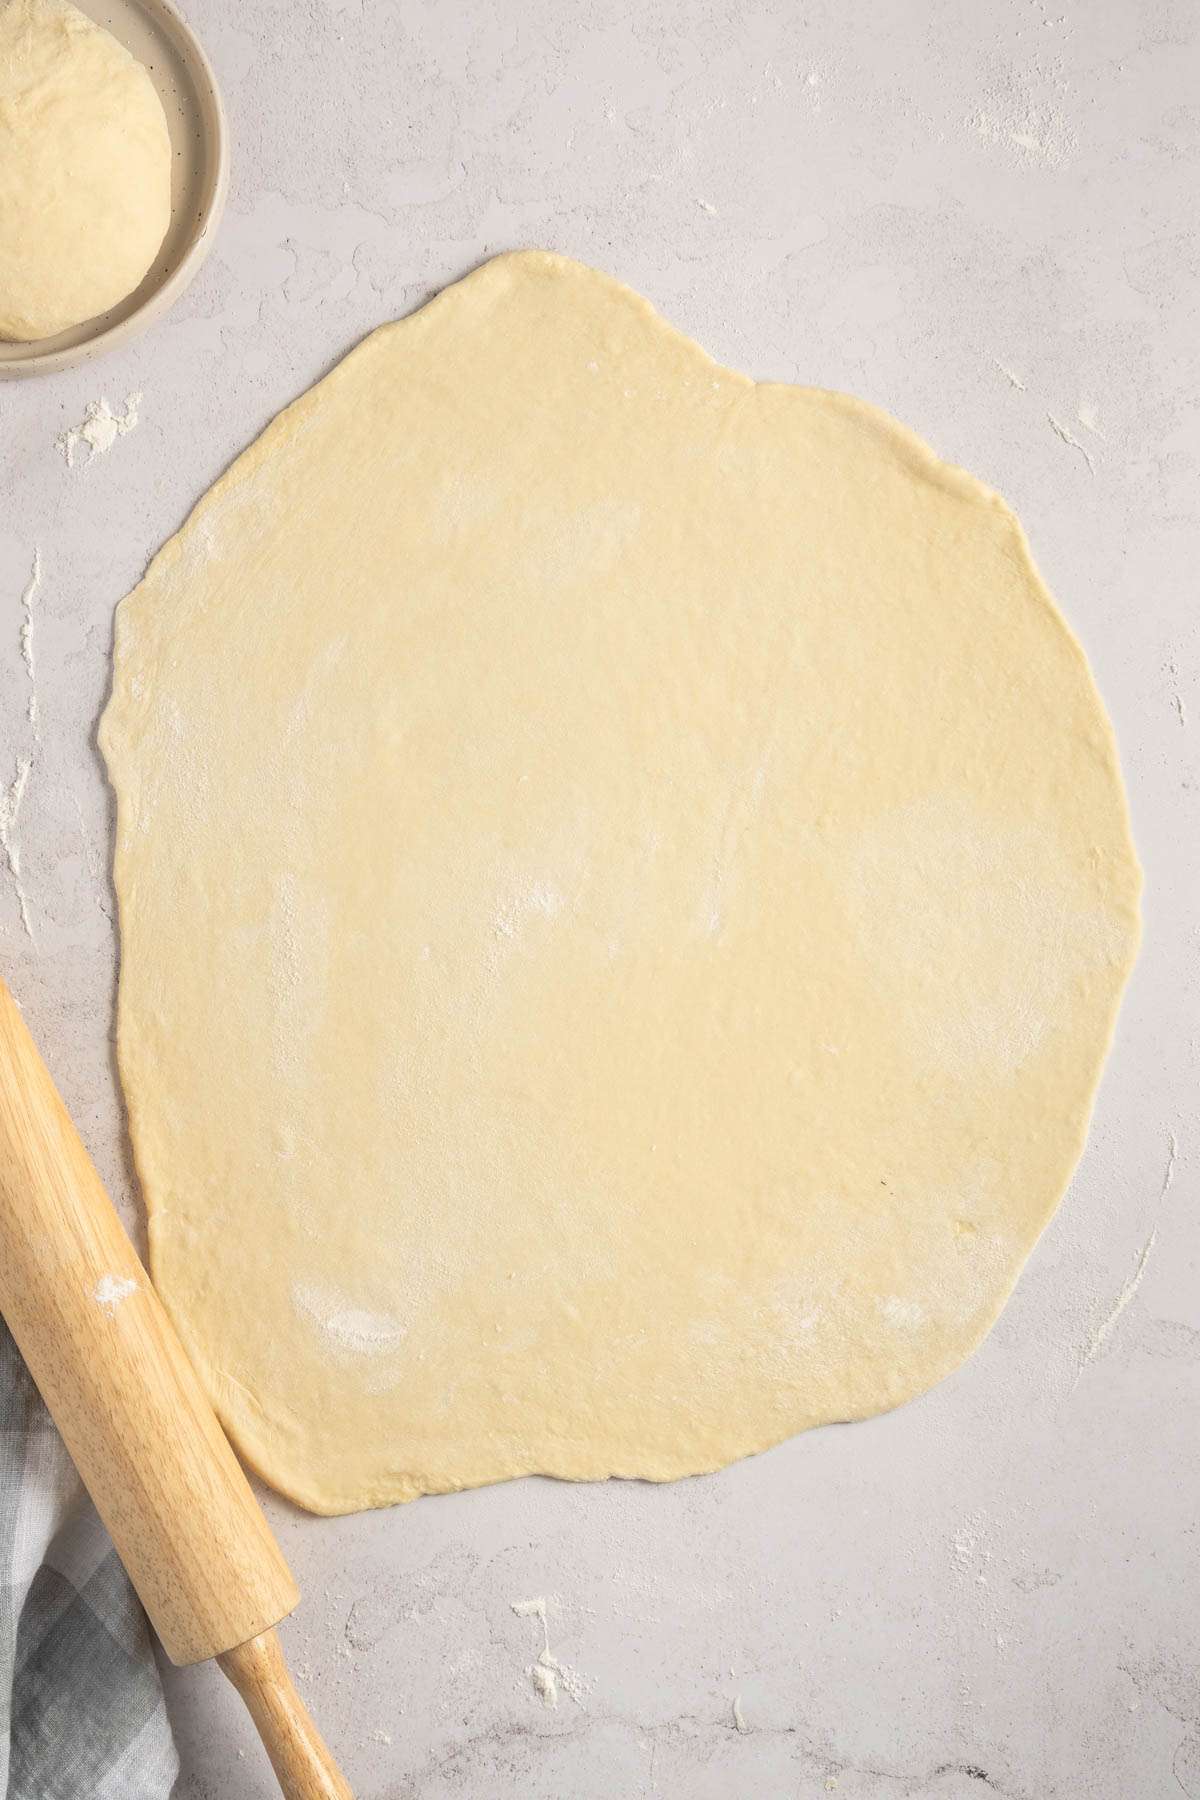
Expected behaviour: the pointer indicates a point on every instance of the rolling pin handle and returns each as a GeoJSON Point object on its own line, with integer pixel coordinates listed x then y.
{"type": "Point", "coordinates": [135, 1418]}
{"type": "Point", "coordinates": [299, 1754]}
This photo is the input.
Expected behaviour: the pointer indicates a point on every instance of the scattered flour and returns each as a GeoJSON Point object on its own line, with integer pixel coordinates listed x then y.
{"type": "Point", "coordinates": [547, 1674]}
{"type": "Point", "coordinates": [110, 1290]}
{"type": "Point", "coordinates": [1037, 135]}
{"type": "Point", "coordinates": [971, 1549]}
{"type": "Point", "coordinates": [99, 429]}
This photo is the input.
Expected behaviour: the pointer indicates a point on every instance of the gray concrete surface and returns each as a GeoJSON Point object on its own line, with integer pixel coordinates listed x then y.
{"type": "Point", "coordinates": [982, 217]}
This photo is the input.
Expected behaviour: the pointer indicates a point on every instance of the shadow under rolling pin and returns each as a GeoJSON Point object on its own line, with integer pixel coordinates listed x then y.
{"type": "Point", "coordinates": [136, 1421]}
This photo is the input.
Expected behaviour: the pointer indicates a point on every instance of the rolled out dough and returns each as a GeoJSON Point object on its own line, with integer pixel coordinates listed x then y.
{"type": "Point", "coordinates": [625, 887]}
{"type": "Point", "coordinates": [85, 169]}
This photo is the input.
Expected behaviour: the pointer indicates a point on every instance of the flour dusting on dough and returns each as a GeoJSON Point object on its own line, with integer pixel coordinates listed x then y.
{"type": "Point", "coordinates": [539, 901]}
{"type": "Point", "coordinates": [569, 1062]}
{"type": "Point", "coordinates": [907, 1314]}
{"type": "Point", "coordinates": [985, 918]}
{"type": "Point", "coordinates": [348, 1326]}
{"type": "Point", "coordinates": [297, 972]}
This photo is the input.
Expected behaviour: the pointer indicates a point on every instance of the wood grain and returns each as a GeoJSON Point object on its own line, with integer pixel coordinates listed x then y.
{"type": "Point", "coordinates": [118, 1383]}
{"type": "Point", "coordinates": [299, 1754]}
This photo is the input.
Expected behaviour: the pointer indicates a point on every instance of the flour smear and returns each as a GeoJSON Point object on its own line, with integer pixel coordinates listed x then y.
{"type": "Point", "coordinates": [348, 1326]}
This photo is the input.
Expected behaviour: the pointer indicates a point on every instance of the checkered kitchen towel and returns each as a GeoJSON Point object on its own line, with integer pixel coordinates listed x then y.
{"type": "Point", "coordinates": [84, 1717]}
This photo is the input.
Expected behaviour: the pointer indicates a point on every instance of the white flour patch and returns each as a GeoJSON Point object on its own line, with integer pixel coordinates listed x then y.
{"type": "Point", "coordinates": [1068, 437]}
{"type": "Point", "coordinates": [988, 924]}
{"type": "Point", "coordinates": [99, 429]}
{"type": "Point", "coordinates": [1035, 135]}
{"type": "Point", "coordinates": [1012, 380]}
{"type": "Point", "coordinates": [297, 970]}
{"type": "Point", "coordinates": [1177, 700]}
{"type": "Point", "coordinates": [795, 1311]}
{"type": "Point", "coordinates": [905, 1314]}
{"type": "Point", "coordinates": [111, 1290]}
{"type": "Point", "coordinates": [350, 1327]}
{"type": "Point", "coordinates": [577, 545]}
{"type": "Point", "coordinates": [736, 821]}
{"type": "Point", "coordinates": [545, 1681]}
{"type": "Point", "coordinates": [547, 1674]}
{"type": "Point", "coordinates": [1099, 1336]}
{"type": "Point", "coordinates": [10, 808]}
{"type": "Point", "coordinates": [539, 901]}
{"type": "Point", "coordinates": [980, 1566]}
{"type": "Point", "coordinates": [27, 651]}
{"type": "Point", "coordinates": [814, 82]}
{"type": "Point", "coordinates": [96, 882]}
{"type": "Point", "coordinates": [316, 683]}
{"type": "Point", "coordinates": [971, 1552]}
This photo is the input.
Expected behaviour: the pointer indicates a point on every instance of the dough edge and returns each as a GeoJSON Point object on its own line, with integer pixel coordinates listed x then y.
{"type": "Point", "coordinates": [232, 1401]}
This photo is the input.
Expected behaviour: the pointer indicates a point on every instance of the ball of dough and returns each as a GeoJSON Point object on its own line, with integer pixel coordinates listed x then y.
{"type": "Point", "coordinates": [85, 169]}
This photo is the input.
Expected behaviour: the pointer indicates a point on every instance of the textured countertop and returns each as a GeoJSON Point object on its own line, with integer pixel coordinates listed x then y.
{"type": "Point", "coordinates": [984, 219]}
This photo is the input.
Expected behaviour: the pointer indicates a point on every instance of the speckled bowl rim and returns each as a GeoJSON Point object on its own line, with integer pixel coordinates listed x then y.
{"type": "Point", "coordinates": [210, 162]}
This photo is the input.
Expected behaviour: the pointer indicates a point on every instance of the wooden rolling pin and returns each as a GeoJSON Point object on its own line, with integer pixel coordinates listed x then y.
{"type": "Point", "coordinates": [135, 1419]}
